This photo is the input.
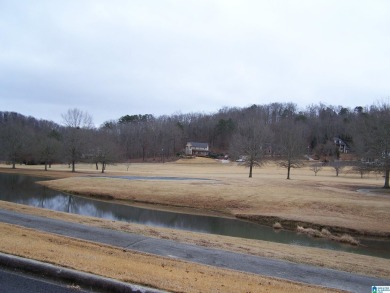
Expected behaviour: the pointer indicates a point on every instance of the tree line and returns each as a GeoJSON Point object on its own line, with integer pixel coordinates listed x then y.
{"type": "Point", "coordinates": [253, 134]}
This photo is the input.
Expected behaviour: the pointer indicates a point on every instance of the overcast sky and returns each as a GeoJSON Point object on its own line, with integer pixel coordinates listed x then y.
{"type": "Point", "coordinates": [117, 57]}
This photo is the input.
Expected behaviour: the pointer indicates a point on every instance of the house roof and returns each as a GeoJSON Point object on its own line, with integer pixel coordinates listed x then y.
{"type": "Point", "coordinates": [198, 144]}
{"type": "Point", "coordinates": [339, 141]}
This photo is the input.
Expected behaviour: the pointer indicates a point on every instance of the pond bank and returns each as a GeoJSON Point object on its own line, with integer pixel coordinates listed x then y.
{"type": "Point", "coordinates": [292, 226]}
{"type": "Point", "coordinates": [212, 257]}
{"type": "Point", "coordinates": [23, 189]}
{"type": "Point", "coordinates": [212, 207]}
{"type": "Point", "coordinates": [311, 202]}
{"type": "Point", "coordinates": [361, 264]}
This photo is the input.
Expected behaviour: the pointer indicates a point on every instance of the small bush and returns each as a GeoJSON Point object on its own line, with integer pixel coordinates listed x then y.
{"type": "Point", "coordinates": [277, 226]}
{"type": "Point", "coordinates": [309, 231]}
{"type": "Point", "coordinates": [326, 232]}
{"type": "Point", "coordinates": [313, 232]}
{"type": "Point", "coordinates": [345, 238]}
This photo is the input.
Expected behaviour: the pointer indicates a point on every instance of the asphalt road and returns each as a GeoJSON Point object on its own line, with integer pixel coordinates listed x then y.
{"type": "Point", "coordinates": [219, 258]}
{"type": "Point", "coordinates": [17, 282]}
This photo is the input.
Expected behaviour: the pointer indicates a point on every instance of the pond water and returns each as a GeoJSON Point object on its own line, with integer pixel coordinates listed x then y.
{"type": "Point", "coordinates": [23, 190]}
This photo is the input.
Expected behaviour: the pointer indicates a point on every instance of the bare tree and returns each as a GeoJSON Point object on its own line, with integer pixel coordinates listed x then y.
{"type": "Point", "coordinates": [252, 142]}
{"type": "Point", "coordinates": [337, 165]}
{"type": "Point", "coordinates": [381, 138]}
{"type": "Point", "coordinates": [316, 167]}
{"type": "Point", "coordinates": [104, 149]}
{"type": "Point", "coordinates": [291, 144]}
{"type": "Point", "coordinates": [13, 141]}
{"type": "Point", "coordinates": [75, 118]}
{"type": "Point", "coordinates": [361, 168]}
{"type": "Point", "coordinates": [374, 137]}
{"type": "Point", "coordinates": [77, 125]}
{"type": "Point", "coordinates": [47, 147]}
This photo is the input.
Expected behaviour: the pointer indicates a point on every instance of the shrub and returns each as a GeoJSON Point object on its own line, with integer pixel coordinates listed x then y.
{"type": "Point", "coordinates": [326, 232]}
{"type": "Point", "coordinates": [309, 231]}
{"type": "Point", "coordinates": [277, 226]}
{"type": "Point", "coordinates": [345, 238]}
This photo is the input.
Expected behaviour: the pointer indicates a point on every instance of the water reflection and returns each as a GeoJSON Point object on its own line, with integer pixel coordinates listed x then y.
{"type": "Point", "coordinates": [23, 190]}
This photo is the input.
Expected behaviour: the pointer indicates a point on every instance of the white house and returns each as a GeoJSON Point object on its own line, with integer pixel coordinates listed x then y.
{"type": "Point", "coordinates": [342, 146]}
{"type": "Point", "coordinates": [197, 149]}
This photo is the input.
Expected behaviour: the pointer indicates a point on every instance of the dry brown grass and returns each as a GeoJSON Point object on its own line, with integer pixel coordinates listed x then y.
{"type": "Point", "coordinates": [361, 264]}
{"type": "Point", "coordinates": [324, 200]}
{"type": "Point", "coordinates": [139, 268]}
{"type": "Point", "coordinates": [325, 233]}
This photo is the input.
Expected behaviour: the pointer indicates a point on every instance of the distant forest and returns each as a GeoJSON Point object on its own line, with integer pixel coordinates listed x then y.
{"type": "Point", "coordinates": [254, 134]}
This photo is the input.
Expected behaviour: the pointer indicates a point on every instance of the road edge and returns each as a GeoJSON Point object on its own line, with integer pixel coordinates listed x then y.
{"type": "Point", "coordinates": [70, 276]}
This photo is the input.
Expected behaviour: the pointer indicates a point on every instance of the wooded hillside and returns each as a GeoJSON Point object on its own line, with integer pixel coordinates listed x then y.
{"type": "Point", "coordinates": [254, 134]}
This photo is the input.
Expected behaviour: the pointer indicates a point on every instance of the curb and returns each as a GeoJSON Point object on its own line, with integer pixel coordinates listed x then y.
{"type": "Point", "coordinates": [84, 280]}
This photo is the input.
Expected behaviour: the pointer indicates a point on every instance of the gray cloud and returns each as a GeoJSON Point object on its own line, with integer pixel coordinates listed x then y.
{"type": "Point", "coordinates": [112, 58]}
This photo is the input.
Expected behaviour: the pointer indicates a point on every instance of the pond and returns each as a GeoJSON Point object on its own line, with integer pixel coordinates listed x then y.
{"type": "Point", "coordinates": [23, 190]}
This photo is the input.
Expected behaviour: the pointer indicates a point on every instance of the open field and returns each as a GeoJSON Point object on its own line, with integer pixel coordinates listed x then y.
{"type": "Point", "coordinates": [312, 201]}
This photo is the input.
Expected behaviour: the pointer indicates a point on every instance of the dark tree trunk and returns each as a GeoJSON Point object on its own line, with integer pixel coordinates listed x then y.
{"type": "Point", "coordinates": [13, 162]}
{"type": "Point", "coordinates": [45, 165]}
{"type": "Point", "coordinates": [387, 175]}
{"type": "Point", "coordinates": [288, 170]}
{"type": "Point", "coordinates": [73, 160]}
{"type": "Point", "coordinates": [250, 170]}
